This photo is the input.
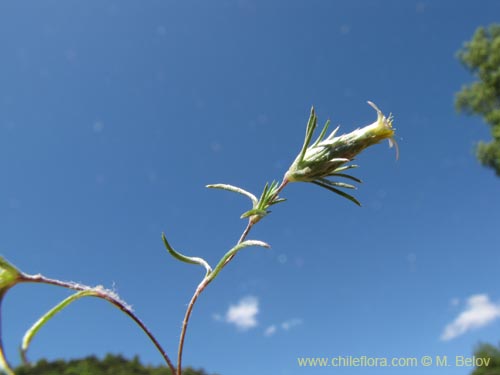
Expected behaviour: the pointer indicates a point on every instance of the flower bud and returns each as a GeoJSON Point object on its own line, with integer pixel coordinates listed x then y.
{"type": "Point", "coordinates": [327, 157]}
{"type": "Point", "coordinates": [9, 275]}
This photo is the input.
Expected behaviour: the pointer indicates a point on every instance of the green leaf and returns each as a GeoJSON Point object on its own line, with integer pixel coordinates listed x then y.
{"type": "Point", "coordinates": [4, 365]}
{"type": "Point", "coordinates": [345, 167]}
{"type": "Point", "coordinates": [332, 134]}
{"type": "Point", "coordinates": [184, 258]}
{"type": "Point", "coordinates": [337, 191]}
{"type": "Point", "coordinates": [343, 185]}
{"type": "Point", "coordinates": [254, 211]}
{"type": "Point", "coordinates": [233, 252]}
{"type": "Point", "coordinates": [346, 176]}
{"type": "Point", "coordinates": [268, 197]}
{"type": "Point", "coordinates": [263, 197]}
{"type": "Point", "coordinates": [279, 200]}
{"type": "Point", "coordinates": [234, 189]}
{"type": "Point", "coordinates": [322, 134]}
{"type": "Point", "coordinates": [311, 126]}
{"type": "Point", "coordinates": [30, 333]}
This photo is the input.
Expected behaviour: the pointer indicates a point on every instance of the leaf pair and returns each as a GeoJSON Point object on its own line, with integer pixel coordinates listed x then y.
{"type": "Point", "coordinates": [211, 274]}
{"type": "Point", "coordinates": [260, 206]}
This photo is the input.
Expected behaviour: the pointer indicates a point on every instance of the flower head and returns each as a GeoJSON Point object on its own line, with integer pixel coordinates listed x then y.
{"type": "Point", "coordinates": [328, 157]}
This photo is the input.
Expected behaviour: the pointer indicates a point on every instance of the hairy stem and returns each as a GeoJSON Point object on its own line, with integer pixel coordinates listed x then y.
{"type": "Point", "coordinates": [196, 294]}
{"type": "Point", "coordinates": [185, 322]}
{"type": "Point", "coordinates": [114, 300]}
{"type": "Point", "coordinates": [204, 283]}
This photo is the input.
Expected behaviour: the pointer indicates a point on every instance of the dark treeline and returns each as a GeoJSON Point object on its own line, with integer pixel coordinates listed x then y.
{"type": "Point", "coordinates": [490, 353]}
{"type": "Point", "coordinates": [110, 365]}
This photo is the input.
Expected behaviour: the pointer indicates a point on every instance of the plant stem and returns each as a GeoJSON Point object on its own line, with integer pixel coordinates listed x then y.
{"type": "Point", "coordinates": [196, 294]}
{"type": "Point", "coordinates": [4, 365]}
{"type": "Point", "coordinates": [244, 235]}
{"type": "Point", "coordinates": [117, 302]}
{"type": "Point", "coordinates": [185, 322]}
{"type": "Point", "coordinates": [204, 283]}
{"type": "Point", "coordinates": [281, 187]}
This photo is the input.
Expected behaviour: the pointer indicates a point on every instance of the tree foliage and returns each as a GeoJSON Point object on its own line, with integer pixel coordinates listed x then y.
{"type": "Point", "coordinates": [488, 351]}
{"type": "Point", "coordinates": [109, 365]}
{"type": "Point", "coordinates": [481, 56]}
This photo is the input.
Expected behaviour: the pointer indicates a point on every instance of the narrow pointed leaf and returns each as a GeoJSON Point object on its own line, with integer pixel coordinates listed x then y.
{"type": "Point", "coordinates": [322, 134]}
{"type": "Point", "coordinates": [333, 133]}
{"type": "Point", "coordinates": [311, 126]}
{"type": "Point", "coordinates": [184, 258]}
{"type": "Point", "coordinates": [273, 187]}
{"type": "Point", "coordinates": [279, 200]}
{"type": "Point", "coordinates": [232, 252]}
{"type": "Point", "coordinates": [337, 191]}
{"type": "Point", "coordinates": [336, 184]}
{"type": "Point", "coordinates": [346, 167]}
{"type": "Point", "coordinates": [339, 160]}
{"type": "Point", "coordinates": [234, 189]}
{"type": "Point", "coordinates": [30, 333]}
{"type": "Point", "coordinates": [343, 185]}
{"type": "Point", "coordinates": [4, 365]}
{"type": "Point", "coordinates": [346, 176]}
{"type": "Point", "coordinates": [263, 196]}
{"type": "Point", "coordinates": [255, 211]}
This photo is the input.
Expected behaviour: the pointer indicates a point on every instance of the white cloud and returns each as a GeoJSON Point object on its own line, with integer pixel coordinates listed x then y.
{"type": "Point", "coordinates": [479, 312]}
{"type": "Point", "coordinates": [271, 330]}
{"type": "Point", "coordinates": [244, 314]}
{"type": "Point", "coordinates": [286, 325]}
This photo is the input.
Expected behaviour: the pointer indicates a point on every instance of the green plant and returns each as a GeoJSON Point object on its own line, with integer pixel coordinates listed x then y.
{"type": "Point", "coordinates": [481, 57]}
{"type": "Point", "coordinates": [490, 354]}
{"type": "Point", "coordinates": [322, 162]}
{"type": "Point", "coordinates": [91, 365]}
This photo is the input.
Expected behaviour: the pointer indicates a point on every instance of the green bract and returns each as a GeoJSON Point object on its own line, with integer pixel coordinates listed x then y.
{"type": "Point", "coordinates": [328, 157]}
{"type": "Point", "coordinates": [9, 275]}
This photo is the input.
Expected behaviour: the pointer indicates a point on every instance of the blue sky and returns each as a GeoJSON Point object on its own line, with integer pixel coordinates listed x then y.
{"type": "Point", "coordinates": [114, 116]}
